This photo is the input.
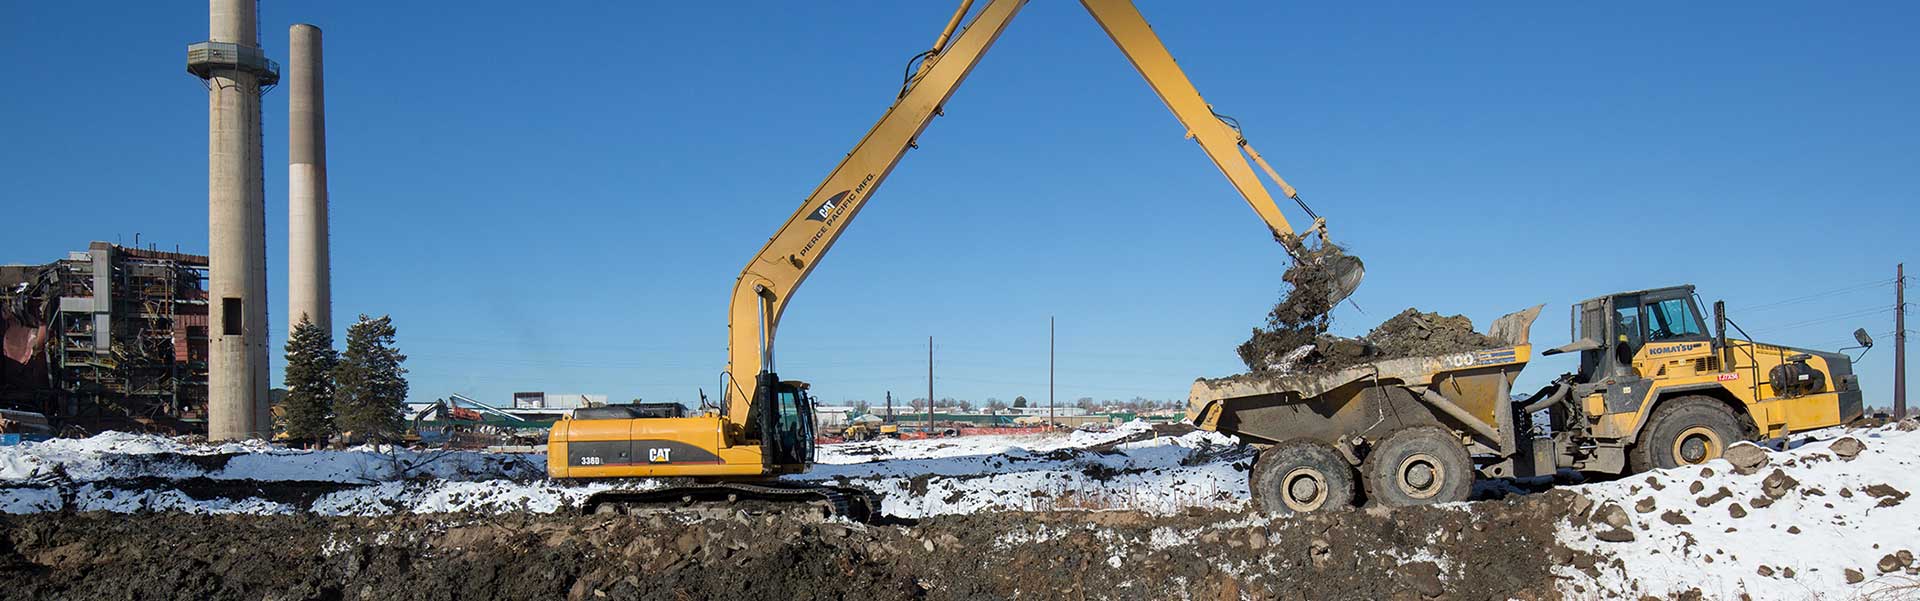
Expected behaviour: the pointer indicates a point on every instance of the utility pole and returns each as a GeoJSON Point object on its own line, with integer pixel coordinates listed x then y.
{"type": "Point", "coordinates": [1050, 418]}
{"type": "Point", "coordinates": [1900, 341]}
{"type": "Point", "coordinates": [929, 386]}
{"type": "Point", "coordinates": [889, 408]}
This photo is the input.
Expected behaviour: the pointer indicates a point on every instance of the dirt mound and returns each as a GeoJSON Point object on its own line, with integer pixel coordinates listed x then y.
{"type": "Point", "coordinates": [1416, 334]}
{"type": "Point", "coordinates": [1498, 550]}
{"type": "Point", "coordinates": [1412, 333]}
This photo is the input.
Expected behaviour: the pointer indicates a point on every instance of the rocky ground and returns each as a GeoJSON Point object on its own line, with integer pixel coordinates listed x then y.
{"type": "Point", "coordinates": [1491, 552]}
{"type": "Point", "coordinates": [1121, 515]}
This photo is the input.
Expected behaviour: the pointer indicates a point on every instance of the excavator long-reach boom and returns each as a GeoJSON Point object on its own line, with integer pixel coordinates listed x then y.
{"type": "Point", "coordinates": [765, 425]}
{"type": "Point", "coordinates": [770, 279]}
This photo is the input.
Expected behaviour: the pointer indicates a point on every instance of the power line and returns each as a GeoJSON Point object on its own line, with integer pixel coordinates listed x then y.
{"type": "Point", "coordinates": [1832, 318]}
{"type": "Point", "coordinates": [1818, 295]}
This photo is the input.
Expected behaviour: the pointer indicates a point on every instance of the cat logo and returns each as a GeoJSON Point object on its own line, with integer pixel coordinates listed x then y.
{"type": "Point", "coordinates": [659, 455]}
{"type": "Point", "coordinates": [826, 209]}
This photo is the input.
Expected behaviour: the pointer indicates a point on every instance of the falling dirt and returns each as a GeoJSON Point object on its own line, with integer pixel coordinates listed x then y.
{"type": "Point", "coordinates": [1498, 550]}
{"type": "Point", "coordinates": [1302, 317]}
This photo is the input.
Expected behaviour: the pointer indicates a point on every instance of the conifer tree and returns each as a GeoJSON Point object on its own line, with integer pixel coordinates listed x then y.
{"type": "Point", "coordinates": [309, 380]}
{"type": "Point", "coordinates": [370, 384]}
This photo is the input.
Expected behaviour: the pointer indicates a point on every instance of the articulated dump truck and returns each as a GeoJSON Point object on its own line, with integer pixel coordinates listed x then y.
{"type": "Point", "coordinates": [1654, 390]}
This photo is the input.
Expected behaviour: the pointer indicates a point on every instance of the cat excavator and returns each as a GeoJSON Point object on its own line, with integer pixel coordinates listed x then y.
{"type": "Point", "coordinates": [764, 426]}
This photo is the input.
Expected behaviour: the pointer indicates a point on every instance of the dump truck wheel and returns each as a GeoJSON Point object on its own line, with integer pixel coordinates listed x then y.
{"type": "Point", "coordinates": [1689, 430]}
{"type": "Point", "coordinates": [1301, 476]}
{"type": "Point", "coordinates": [1418, 466]}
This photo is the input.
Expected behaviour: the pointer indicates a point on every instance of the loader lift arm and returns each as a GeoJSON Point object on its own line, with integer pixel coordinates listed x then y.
{"type": "Point", "coordinates": [768, 282]}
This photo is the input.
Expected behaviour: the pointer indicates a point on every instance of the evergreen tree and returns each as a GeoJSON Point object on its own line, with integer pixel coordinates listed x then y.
{"type": "Point", "coordinates": [371, 386]}
{"type": "Point", "coordinates": [309, 381]}
{"type": "Point", "coordinates": [1020, 402]}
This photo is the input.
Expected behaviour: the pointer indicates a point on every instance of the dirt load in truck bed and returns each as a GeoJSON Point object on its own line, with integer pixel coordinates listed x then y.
{"type": "Point", "coordinates": [1282, 349]}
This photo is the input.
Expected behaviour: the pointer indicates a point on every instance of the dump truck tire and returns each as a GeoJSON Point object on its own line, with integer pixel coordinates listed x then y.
{"type": "Point", "coordinates": [1423, 465]}
{"type": "Point", "coordinates": [1301, 476]}
{"type": "Point", "coordinates": [1688, 430]}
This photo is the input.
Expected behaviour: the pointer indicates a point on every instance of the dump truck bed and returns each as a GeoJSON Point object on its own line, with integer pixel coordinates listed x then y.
{"type": "Point", "coordinates": [1370, 398]}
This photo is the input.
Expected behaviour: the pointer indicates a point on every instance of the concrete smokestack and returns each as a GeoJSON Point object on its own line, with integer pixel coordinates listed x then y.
{"type": "Point", "coordinates": [235, 70]}
{"type": "Point", "coordinates": [309, 283]}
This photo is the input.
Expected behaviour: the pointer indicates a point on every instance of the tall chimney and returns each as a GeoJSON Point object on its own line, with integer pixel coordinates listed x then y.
{"type": "Point", "coordinates": [309, 285]}
{"type": "Point", "coordinates": [235, 71]}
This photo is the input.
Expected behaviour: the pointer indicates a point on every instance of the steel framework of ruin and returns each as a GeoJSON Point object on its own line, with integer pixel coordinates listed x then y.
{"type": "Point", "coordinates": [108, 338]}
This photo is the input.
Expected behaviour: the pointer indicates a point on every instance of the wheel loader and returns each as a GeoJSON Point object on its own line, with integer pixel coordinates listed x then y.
{"type": "Point", "coordinates": [1655, 389]}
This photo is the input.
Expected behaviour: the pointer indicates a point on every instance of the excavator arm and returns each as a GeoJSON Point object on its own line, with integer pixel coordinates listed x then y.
{"type": "Point", "coordinates": [769, 280]}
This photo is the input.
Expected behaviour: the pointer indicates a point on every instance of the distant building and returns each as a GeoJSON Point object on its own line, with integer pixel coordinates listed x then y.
{"type": "Point", "coordinates": [557, 400]}
{"type": "Point", "coordinates": [111, 337]}
{"type": "Point", "coordinates": [1057, 411]}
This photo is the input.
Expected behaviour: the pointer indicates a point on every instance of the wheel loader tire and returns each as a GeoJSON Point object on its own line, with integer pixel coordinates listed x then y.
{"type": "Point", "coordinates": [1422, 465]}
{"type": "Point", "coordinates": [1301, 476]}
{"type": "Point", "coordinates": [1688, 430]}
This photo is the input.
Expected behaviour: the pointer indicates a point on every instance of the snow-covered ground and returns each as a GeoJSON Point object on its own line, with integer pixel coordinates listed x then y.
{"type": "Point", "coordinates": [917, 478]}
{"type": "Point", "coordinates": [123, 456]}
{"type": "Point", "coordinates": [1094, 470]}
{"type": "Point", "coordinates": [1799, 542]}
{"type": "Point", "coordinates": [1828, 534]}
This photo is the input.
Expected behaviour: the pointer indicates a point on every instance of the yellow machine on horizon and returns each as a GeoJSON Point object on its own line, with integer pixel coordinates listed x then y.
{"type": "Point", "coordinates": [764, 425]}
{"type": "Point", "coordinates": [864, 430]}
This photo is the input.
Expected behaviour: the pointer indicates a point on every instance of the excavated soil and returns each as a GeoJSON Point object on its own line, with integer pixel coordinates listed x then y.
{"type": "Point", "coordinates": [1413, 333]}
{"type": "Point", "coordinates": [1501, 549]}
{"type": "Point", "coordinates": [1301, 316]}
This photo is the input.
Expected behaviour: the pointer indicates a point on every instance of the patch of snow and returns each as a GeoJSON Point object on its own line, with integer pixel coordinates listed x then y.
{"type": "Point", "coordinates": [1162, 475]}
{"type": "Point", "coordinates": [30, 500]}
{"type": "Point", "coordinates": [1816, 535]}
{"type": "Point", "coordinates": [916, 478]}
{"type": "Point", "coordinates": [119, 455]}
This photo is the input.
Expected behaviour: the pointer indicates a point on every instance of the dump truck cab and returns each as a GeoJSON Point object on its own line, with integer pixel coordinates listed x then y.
{"type": "Point", "coordinates": [1657, 387]}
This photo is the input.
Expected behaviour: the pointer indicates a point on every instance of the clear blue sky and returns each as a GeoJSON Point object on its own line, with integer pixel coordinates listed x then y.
{"type": "Point", "coordinates": [560, 200]}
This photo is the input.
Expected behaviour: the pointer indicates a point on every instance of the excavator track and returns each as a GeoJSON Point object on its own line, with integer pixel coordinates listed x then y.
{"type": "Point", "coordinates": [725, 498]}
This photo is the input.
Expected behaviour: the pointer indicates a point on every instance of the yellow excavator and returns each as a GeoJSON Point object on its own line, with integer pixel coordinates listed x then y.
{"type": "Point", "coordinates": [764, 426]}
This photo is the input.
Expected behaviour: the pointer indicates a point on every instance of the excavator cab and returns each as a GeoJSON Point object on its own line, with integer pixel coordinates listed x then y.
{"type": "Point", "coordinates": [782, 420]}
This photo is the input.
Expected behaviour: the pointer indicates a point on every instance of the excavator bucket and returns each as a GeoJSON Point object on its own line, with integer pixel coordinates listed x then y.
{"type": "Point", "coordinates": [1327, 270]}
{"type": "Point", "coordinates": [1344, 274]}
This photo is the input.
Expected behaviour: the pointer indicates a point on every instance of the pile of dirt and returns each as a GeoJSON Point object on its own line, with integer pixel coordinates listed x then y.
{"type": "Point", "coordinates": [1416, 334]}
{"type": "Point", "coordinates": [1295, 339]}
{"type": "Point", "coordinates": [1498, 550]}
